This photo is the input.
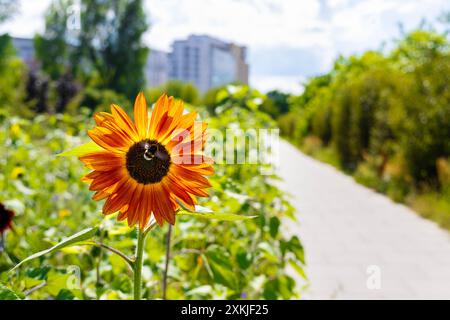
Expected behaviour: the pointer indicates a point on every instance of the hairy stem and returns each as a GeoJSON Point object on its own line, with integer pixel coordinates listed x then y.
{"type": "Point", "coordinates": [138, 264]}
{"type": "Point", "coordinates": [166, 268]}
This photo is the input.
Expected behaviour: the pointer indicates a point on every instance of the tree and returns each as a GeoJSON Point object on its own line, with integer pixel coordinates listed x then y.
{"type": "Point", "coordinates": [276, 103]}
{"type": "Point", "coordinates": [11, 83]}
{"type": "Point", "coordinates": [190, 93]}
{"type": "Point", "coordinates": [424, 57]}
{"type": "Point", "coordinates": [321, 119]}
{"type": "Point", "coordinates": [106, 51]}
{"type": "Point", "coordinates": [342, 114]}
{"type": "Point", "coordinates": [110, 43]}
{"type": "Point", "coordinates": [52, 49]}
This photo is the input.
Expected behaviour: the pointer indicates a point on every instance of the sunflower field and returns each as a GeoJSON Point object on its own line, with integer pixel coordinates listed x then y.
{"type": "Point", "coordinates": [237, 251]}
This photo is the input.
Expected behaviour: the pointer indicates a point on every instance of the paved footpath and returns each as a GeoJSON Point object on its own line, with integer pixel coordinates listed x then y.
{"type": "Point", "coordinates": [358, 243]}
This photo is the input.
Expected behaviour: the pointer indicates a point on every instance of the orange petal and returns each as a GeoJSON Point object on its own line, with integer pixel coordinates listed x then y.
{"type": "Point", "coordinates": [113, 127]}
{"type": "Point", "coordinates": [124, 121]}
{"type": "Point", "coordinates": [90, 176]}
{"type": "Point", "coordinates": [193, 178]}
{"type": "Point", "coordinates": [187, 120]}
{"type": "Point", "coordinates": [100, 195]}
{"type": "Point", "coordinates": [161, 106]}
{"type": "Point", "coordinates": [141, 116]}
{"type": "Point", "coordinates": [109, 140]}
{"type": "Point", "coordinates": [185, 185]}
{"type": "Point", "coordinates": [106, 179]}
{"type": "Point", "coordinates": [184, 129]}
{"type": "Point", "coordinates": [101, 117]}
{"type": "Point", "coordinates": [146, 208]}
{"type": "Point", "coordinates": [179, 193]}
{"type": "Point", "coordinates": [163, 205]}
{"type": "Point", "coordinates": [152, 200]}
{"type": "Point", "coordinates": [134, 201]}
{"type": "Point", "coordinates": [203, 168]}
{"type": "Point", "coordinates": [121, 198]}
{"type": "Point", "coordinates": [103, 160]}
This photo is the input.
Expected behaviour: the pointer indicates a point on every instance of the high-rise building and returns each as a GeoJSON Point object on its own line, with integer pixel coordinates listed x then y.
{"type": "Point", "coordinates": [208, 62]}
{"type": "Point", "coordinates": [157, 68]}
{"type": "Point", "coordinates": [201, 60]}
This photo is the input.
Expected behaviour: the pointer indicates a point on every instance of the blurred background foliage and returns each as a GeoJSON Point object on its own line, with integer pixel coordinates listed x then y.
{"type": "Point", "coordinates": [47, 110]}
{"type": "Point", "coordinates": [210, 259]}
{"type": "Point", "coordinates": [385, 119]}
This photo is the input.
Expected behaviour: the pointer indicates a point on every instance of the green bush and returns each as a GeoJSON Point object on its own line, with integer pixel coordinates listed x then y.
{"type": "Point", "coordinates": [178, 89]}
{"type": "Point", "coordinates": [12, 84]}
{"type": "Point", "coordinates": [381, 112]}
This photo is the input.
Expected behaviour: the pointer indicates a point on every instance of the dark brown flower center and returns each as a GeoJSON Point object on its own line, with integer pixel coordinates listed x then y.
{"type": "Point", "coordinates": [148, 161]}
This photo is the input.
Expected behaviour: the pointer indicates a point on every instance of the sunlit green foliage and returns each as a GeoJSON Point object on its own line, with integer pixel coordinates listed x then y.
{"type": "Point", "coordinates": [276, 103]}
{"type": "Point", "coordinates": [11, 83]}
{"type": "Point", "coordinates": [240, 259]}
{"type": "Point", "coordinates": [178, 89]}
{"type": "Point", "coordinates": [98, 42]}
{"type": "Point", "coordinates": [384, 117]}
{"type": "Point", "coordinates": [52, 49]}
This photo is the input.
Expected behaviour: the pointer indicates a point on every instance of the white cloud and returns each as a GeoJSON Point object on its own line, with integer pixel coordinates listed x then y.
{"type": "Point", "coordinates": [28, 21]}
{"type": "Point", "coordinates": [323, 28]}
{"type": "Point", "coordinates": [249, 22]}
{"type": "Point", "coordinates": [291, 84]}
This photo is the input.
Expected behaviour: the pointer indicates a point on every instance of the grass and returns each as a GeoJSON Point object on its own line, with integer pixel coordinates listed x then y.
{"type": "Point", "coordinates": [328, 156]}
{"type": "Point", "coordinates": [433, 206]}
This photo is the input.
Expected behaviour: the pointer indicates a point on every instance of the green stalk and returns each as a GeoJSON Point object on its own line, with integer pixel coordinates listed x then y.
{"type": "Point", "coordinates": [166, 268]}
{"type": "Point", "coordinates": [138, 264]}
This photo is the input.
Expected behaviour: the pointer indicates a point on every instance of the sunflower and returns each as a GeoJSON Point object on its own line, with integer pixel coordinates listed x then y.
{"type": "Point", "coordinates": [151, 166]}
{"type": "Point", "coordinates": [6, 217]}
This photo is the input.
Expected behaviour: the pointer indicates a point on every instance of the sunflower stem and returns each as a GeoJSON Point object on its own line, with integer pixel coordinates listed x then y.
{"type": "Point", "coordinates": [166, 268]}
{"type": "Point", "coordinates": [138, 264]}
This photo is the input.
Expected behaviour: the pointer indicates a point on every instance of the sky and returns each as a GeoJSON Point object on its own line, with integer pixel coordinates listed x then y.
{"type": "Point", "coordinates": [287, 40]}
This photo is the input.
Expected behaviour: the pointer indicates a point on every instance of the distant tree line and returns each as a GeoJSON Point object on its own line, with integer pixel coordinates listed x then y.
{"type": "Point", "coordinates": [96, 47]}
{"type": "Point", "coordinates": [388, 114]}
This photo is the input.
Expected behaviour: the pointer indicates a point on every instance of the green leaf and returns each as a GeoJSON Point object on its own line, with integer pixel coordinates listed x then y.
{"type": "Point", "coordinates": [59, 283]}
{"type": "Point", "coordinates": [244, 259]}
{"type": "Point", "coordinates": [297, 268]}
{"type": "Point", "coordinates": [65, 294]}
{"type": "Point", "coordinates": [203, 212]}
{"type": "Point", "coordinates": [81, 150]}
{"type": "Point", "coordinates": [221, 95]}
{"type": "Point", "coordinates": [222, 269]}
{"type": "Point", "coordinates": [83, 235]}
{"type": "Point", "coordinates": [7, 294]}
{"type": "Point", "coordinates": [296, 247]}
{"type": "Point", "coordinates": [281, 287]}
{"type": "Point", "coordinates": [38, 273]}
{"type": "Point", "coordinates": [274, 224]}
